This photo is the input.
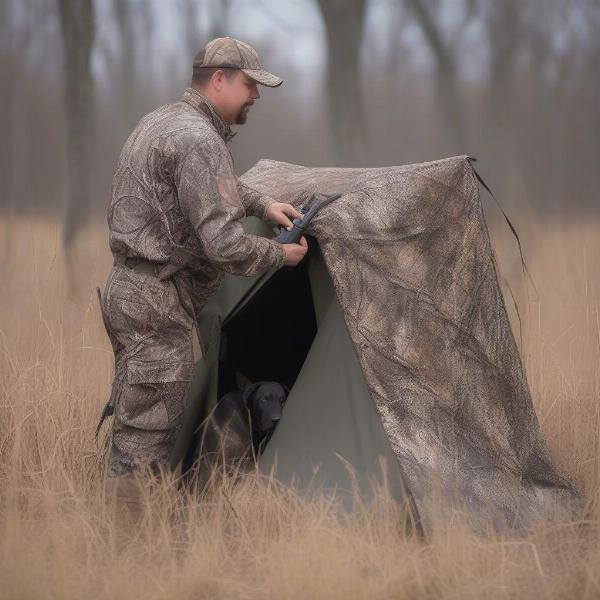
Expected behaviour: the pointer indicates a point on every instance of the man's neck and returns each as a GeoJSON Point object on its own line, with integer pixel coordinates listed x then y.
{"type": "Point", "coordinates": [198, 100]}
{"type": "Point", "coordinates": [206, 93]}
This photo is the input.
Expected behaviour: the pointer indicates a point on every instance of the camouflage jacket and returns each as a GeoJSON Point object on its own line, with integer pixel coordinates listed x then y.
{"type": "Point", "coordinates": [176, 200]}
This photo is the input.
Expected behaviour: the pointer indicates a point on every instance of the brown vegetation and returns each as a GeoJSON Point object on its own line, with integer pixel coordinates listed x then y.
{"type": "Point", "coordinates": [59, 537]}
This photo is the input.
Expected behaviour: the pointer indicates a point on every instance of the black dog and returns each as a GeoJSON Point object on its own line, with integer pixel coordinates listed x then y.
{"type": "Point", "coordinates": [241, 424]}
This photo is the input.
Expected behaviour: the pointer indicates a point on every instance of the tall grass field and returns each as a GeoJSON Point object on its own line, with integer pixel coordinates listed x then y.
{"type": "Point", "coordinates": [62, 537]}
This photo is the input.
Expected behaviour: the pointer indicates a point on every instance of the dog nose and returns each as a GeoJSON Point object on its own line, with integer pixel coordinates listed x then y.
{"type": "Point", "coordinates": [275, 419]}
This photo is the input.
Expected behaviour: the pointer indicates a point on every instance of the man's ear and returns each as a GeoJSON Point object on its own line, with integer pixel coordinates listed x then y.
{"type": "Point", "coordinates": [217, 79]}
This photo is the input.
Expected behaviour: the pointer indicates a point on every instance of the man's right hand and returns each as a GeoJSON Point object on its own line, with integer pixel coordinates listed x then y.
{"type": "Point", "coordinates": [294, 253]}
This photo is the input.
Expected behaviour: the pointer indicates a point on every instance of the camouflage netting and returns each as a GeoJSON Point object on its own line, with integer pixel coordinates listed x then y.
{"type": "Point", "coordinates": [410, 257]}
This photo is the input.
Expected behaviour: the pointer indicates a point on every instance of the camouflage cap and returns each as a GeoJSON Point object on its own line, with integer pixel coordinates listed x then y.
{"type": "Point", "coordinates": [229, 52]}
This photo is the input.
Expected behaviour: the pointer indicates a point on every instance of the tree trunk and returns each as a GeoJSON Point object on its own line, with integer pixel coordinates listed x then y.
{"type": "Point", "coordinates": [446, 81]}
{"type": "Point", "coordinates": [344, 24]}
{"type": "Point", "coordinates": [193, 41]}
{"type": "Point", "coordinates": [77, 22]}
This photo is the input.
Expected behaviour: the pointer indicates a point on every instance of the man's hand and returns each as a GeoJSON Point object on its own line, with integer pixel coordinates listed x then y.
{"type": "Point", "coordinates": [294, 253]}
{"type": "Point", "coordinates": [280, 212]}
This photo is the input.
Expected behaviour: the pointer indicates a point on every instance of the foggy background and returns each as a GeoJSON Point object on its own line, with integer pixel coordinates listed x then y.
{"type": "Point", "coordinates": [515, 83]}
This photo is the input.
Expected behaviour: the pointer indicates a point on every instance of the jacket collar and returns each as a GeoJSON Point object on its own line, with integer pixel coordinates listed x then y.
{"type": "Point", "coordinates": [202, 104]}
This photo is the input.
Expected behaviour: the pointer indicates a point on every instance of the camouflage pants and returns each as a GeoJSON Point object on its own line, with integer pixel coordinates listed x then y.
{"type": "Point", "coordinates": [151, 335]}
{"type": "Point", "coordinates": [147, 419]}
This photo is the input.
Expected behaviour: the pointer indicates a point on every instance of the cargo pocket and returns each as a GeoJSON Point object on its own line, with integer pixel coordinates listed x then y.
{"type": "Point", "coordinates": [139, 371]}
{"type": "Point", "coordinates": [143, 407]}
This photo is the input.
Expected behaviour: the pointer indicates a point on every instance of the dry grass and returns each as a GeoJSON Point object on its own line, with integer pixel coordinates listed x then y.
{"type": "Point", "coordinates": [60, 538]}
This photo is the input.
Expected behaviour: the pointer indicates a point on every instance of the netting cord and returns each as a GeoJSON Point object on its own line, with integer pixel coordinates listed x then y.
{"type": "Point", "coordinates": [516, 235]}
{"type": "Point", "coordinates": [508, 221]}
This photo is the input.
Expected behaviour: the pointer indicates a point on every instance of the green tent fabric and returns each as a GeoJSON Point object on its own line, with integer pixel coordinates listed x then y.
{"type": "Point", "coordinates": [330, 420]}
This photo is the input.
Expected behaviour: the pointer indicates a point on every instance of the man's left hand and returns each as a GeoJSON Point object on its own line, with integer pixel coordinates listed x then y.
{"type": "Point", "coordinates": [282, 213]}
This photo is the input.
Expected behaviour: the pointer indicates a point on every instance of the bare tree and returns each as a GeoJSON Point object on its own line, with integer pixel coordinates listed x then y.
{"type": "Point", "coordinates": [344, 26]}
{"type": "Point", "coordinates": [397, 61]}
{"type": "Point", "coordinates": [77, 22]}
{"type": "Point", "coordinates": [134, 25]}
{"type": "Point", "coordinates": [505, 28]}
{"type": "Point", "coordinates": [190, 23]}
{"type": "Point", "coordinates": [126, 12]}
{"type": "Point", "coordinates": [444, 50]}
{"type": "Point", "coordinates": [591, 67]}
{"type": "Point", "coordinates": [534, 50]}
{"type": "Point", "coordinates": [219, 10]}
{"type": "Point", "coordinates": [11, 50]}
{"type": "Point", "coordinates": [12, 45]}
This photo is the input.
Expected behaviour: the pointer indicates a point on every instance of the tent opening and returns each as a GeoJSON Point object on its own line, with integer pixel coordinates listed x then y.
{"type": "Point", "coordinates": [270, 336]}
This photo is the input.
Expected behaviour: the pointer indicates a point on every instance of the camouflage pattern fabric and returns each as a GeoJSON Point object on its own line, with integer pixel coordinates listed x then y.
{"type": "Point", "coordinates": [232, 53]}
{"type": "Point", "coordinates": [176, 204]}
{"type": "Point", "coordinates": [410, 257]}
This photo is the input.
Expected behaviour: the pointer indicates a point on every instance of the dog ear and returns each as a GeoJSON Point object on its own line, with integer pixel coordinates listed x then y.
{"type": "Point", "coordinates": [286, 388]}
{"type": "Point", "coordinates": [248, 391]}
{"type": "Point", "coordinates": [241, 381]}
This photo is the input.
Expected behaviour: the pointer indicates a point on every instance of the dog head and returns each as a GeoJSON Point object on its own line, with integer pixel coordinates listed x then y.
{"type": "Point", "coordinates": [265, 401]}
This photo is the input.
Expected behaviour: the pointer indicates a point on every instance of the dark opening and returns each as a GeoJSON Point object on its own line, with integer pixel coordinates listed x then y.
{"type": "Point", "coordinates": [270, 337]}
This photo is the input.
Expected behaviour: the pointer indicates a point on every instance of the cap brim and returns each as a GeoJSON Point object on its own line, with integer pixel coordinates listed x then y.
{"type": "Point", "coordinates": [263, 77]}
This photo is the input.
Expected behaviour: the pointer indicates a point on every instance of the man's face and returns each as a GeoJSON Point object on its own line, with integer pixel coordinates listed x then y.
{"type": "Point", "coordinates": [237, 96]}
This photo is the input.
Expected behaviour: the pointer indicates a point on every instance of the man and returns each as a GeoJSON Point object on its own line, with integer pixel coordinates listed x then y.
{"type": "Point", "coordinates": [175, 229]}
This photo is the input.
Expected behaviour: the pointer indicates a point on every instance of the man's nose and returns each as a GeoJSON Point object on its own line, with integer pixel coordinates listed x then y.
{"type": "Point", "coordinates": [255, 94]}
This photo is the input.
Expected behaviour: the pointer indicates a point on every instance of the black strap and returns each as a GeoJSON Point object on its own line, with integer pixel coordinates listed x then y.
{"type": "Point", "coordinates": [108, 411]}
{"type": "Point", "coordinates": [508, 221]}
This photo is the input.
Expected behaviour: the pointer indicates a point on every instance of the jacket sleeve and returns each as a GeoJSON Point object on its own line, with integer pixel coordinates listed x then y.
{"type": "Point", "coordinates": [255, 204]}
{"type": "Point", "coordinates": [208, 196]}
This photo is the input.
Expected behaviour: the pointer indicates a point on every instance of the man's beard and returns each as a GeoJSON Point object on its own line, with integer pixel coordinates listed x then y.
{"type": "Point", "coordinates": [240, 118]}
